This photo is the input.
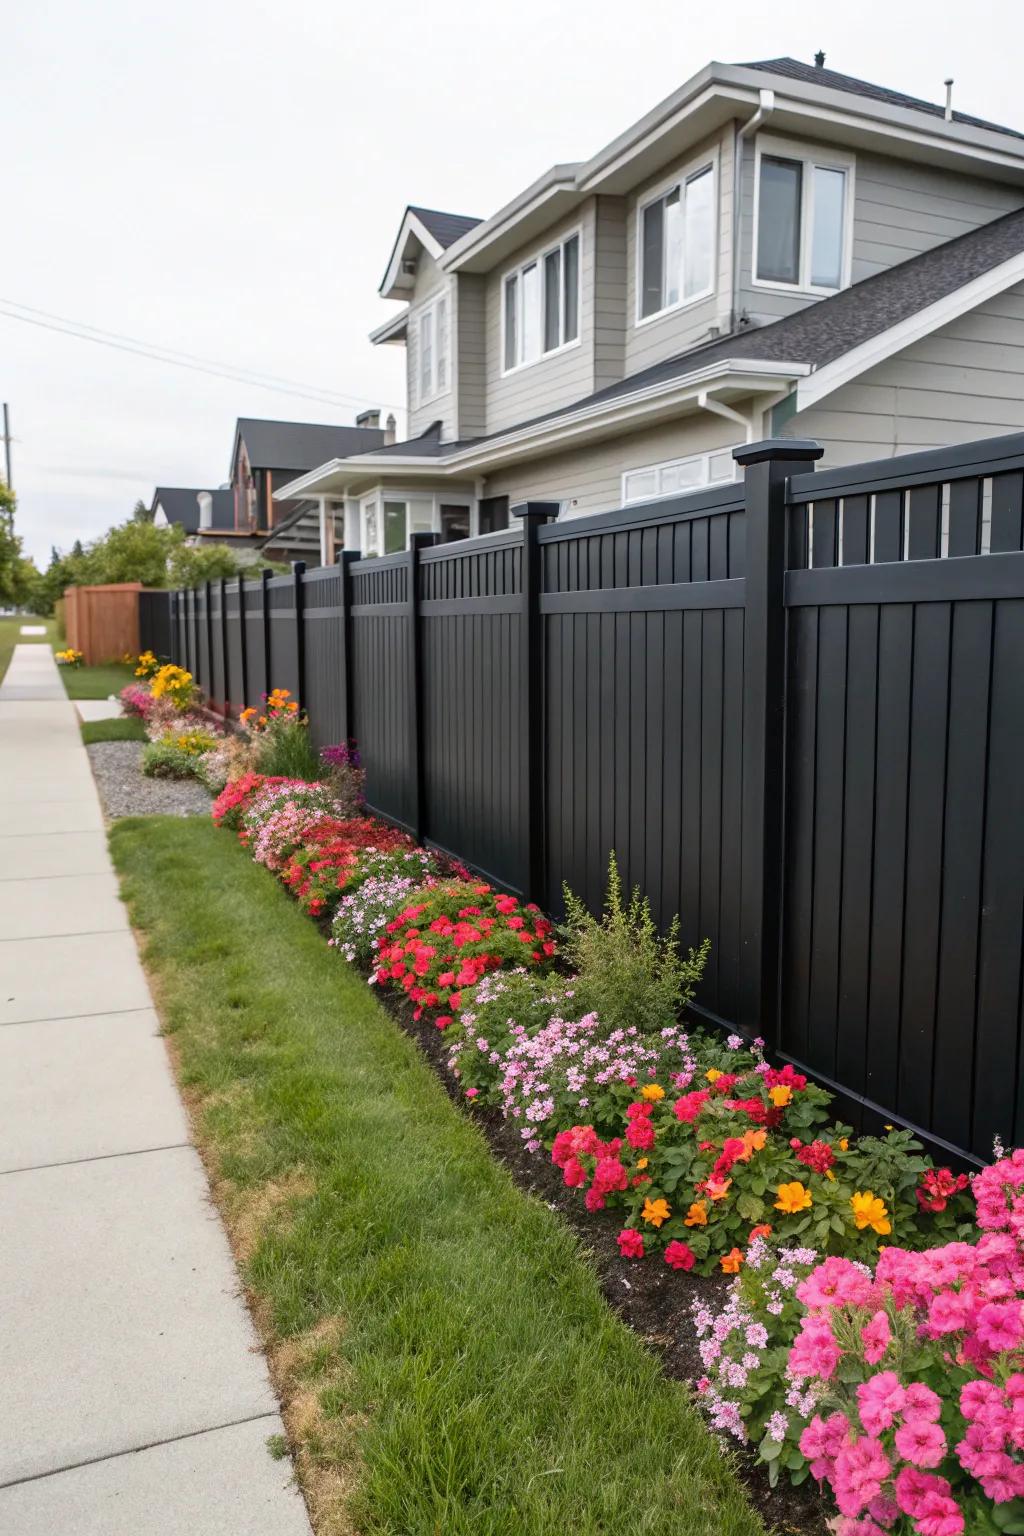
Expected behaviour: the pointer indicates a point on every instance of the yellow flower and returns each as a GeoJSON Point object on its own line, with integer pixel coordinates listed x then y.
{"type": "Point", "coordinates": [652, 1092]}
{"type": "Point", "coordinates": [712, 1074]}
{"type": "Point", "coordinates": [656, 1211]}
{"type": "Point", "coordinates": [844, 1144]}
{"type": "Point", "coordinates": [792, 1198]}
{"type": "Point", "coordinates": [870, 1211]}
{"type": "Point", "coordinates": [780, 1095]}
{"type": "Point", "coordinates": [642, 1162]}
{"type": "Point", "coordinates": [697, 1215]}
{"type": "Point", "coordinates": [731, 1262]}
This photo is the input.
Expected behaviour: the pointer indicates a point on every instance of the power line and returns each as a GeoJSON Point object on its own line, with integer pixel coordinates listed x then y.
{"type": "Point", "coordinates": [119, 342]}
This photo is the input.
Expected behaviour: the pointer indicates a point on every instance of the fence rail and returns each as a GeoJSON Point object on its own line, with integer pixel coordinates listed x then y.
{"type": "Point", "coordinates": [793, 706]}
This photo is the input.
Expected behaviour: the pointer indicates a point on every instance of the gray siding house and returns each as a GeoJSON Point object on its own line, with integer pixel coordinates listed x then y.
{"type": "Point", "coordinates": [775, 248]}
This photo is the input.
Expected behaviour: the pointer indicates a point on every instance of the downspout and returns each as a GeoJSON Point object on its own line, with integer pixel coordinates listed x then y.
{"type": "Point", "coordinates": [760, 117]}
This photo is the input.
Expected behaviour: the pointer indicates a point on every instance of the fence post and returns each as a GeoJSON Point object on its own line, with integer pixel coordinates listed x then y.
{"type": "Point", "coordinates": [768, 465]}
{"type": "Point", "coordinates": [225, 659]}
{"type": "Point", "coordinates": [265, 617]}
{"type": "Point", "coordinates": [298, 598]}
{"type": "Point", "coordinates": [417, 543]}
{"type": "Point", "coordinates": [531, 699]}
{"type": "Point", "coordinates": [346, 559]}
{"type": "Point", "coordinates": [207, 683]}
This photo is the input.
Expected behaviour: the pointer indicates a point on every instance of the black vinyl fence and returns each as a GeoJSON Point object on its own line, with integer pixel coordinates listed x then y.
{"type": "Point", "coordinates": [793, 706]}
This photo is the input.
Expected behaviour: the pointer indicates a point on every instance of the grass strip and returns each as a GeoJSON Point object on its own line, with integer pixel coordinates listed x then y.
{"type": "Point", "coordinates": [10, 636]}
{"type": "Point", "coordinates": [96, 682]}
{"type": "Point", "coordinates": [126, 728]}
{"type": "Point", "coordinates": [445, 1357]}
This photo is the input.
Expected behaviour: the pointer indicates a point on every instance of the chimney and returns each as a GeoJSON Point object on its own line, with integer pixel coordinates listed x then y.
{"type": "Point", "coordinates": [205, 500]}
{"type": "Point", "coordinates": [390, 429]}
{"type": "Point", "coordinates": [949, 99]}
{"type": "Point", "coordinates": [368, 419]}
{"type": "Point", "coordinates": [819, 60]}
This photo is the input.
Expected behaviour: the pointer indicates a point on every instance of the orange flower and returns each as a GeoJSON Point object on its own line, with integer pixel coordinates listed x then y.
{"type": "Point", "coordinates": [780, 1095]}
{"type": "Point", "coordinates": [697, 1215]}
{"type": "Point", "coordinates": [792, 1198]}
{"type": "Point", "coordinates": [652, 1092]}
{"type": "Point", "coordinates": [718, 1188]}
{"type": "Point", "coordinates": [641, 1162]}
{"type": "Point", "coordinates": [712, 1074]}
{"type": "Point", "coordinates": [764, 1230]}
{"type": "Point", "coordinates": [656, 1211]}
{"type": "Point", "coordinates": [754, 1141]}
{"type": "Point", "coordinates": [731, 1262]}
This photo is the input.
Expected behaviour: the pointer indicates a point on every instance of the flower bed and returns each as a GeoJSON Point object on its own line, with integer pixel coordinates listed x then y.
{"type": "Point", "coordinates": [871, 1334]}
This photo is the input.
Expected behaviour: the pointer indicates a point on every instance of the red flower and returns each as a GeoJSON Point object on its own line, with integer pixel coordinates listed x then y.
{"type": "Point", "coordinates": [640, 1133]}
{"type": "Point", "coordinates": [680, 1256]}
{"type": "Point", "coordinates": [631, 1243]}
{"type": "Point", "coordinates": [690, 1105]}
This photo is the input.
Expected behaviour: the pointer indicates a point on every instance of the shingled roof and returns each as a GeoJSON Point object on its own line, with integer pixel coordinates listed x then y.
{"type": "Point", "coordinates": [813, 74]}
{"type": "Point", "coordinates": [181, 505]}
{"type": "Point", "coordinates": [300, 445]}
{"type": "Point", "coordinates": [446, 228]}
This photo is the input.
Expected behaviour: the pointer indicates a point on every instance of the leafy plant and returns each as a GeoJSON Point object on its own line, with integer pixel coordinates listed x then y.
{"type": "Point", "coordinates": [176, 757]}
{"type": "Point", "coordinates": [627, 972]}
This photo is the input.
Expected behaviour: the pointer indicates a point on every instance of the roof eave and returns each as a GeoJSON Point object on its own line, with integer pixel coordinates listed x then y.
{"type": "Point", "coordinates": [412, 228]}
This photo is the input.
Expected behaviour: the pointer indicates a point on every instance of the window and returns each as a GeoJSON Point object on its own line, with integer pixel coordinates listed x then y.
{"type": "Point", "coordinates": [395, 525]}
{"type": "Point", "coordinates": [541, 304]}
{"type": "Point", "coordinates": [679, 475]}
{"type": "Point", "coordinates": [677, 244]}
{"type": "Point", "coordinates": [435, 349]}
{"type": "Point", "coordinates": [802, 218]}
{"type": "Point", "coordinates": [454, 522]}
{"type": "Point", "coordinates": [493, 514]}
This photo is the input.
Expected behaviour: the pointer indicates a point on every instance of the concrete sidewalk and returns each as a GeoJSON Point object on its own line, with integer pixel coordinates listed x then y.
{"type": "Point", "coordinates": [134, 1400]}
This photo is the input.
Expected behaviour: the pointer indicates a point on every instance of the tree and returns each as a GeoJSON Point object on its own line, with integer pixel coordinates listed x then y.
{"type": "Point", "coordinates": [190, 566]}
{"type": "Point", "coordinates": [141, 514]}
{"type": "Point", "coordinates": [17, 572]}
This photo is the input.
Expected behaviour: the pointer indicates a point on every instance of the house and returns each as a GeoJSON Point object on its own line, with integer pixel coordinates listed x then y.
{"type": "Point", "coordinates": [202, 513]}
{"type": "Point", "coordinates": [267, 454]}
{"type": "Point", "coordinates": [775, 248]}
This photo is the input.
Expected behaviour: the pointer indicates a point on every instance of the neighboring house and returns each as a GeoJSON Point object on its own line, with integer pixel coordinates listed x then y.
{"type": "Point", "coordinates": [189, 507]}
{"type": "Point", "coordinates": [775, 248]}
{"type": "Point", "coordinates": [267, 454]}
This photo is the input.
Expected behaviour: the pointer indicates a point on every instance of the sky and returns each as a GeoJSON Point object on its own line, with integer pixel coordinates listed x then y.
{"type": "Point", "coordinates": [225, 178]}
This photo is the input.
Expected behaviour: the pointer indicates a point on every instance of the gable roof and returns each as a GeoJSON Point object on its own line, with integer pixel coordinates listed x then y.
{"type": "Point", "coordinates": [813, 74]}
{"type": "Point", "coordinates": [181, 505]}
{"type": "Point", "coordinates": [446, 228]}
{"type": "Point", "coordinates": [299, 444]}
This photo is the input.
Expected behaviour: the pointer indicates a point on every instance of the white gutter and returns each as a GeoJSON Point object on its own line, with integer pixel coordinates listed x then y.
{"type": "Point", "coordinates": [761, 116]}
{"type": "Point", "coordinates": [741, 373]}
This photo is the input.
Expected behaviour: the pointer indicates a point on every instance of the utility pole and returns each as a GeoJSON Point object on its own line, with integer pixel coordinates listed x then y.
{"type": "Point", "coordinates": [7, 447]}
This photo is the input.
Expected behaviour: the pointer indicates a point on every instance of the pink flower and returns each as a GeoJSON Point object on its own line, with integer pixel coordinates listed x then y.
{"type": "Point", "coordinates": [836, 1282]}
{"type": "Point", "coordinates": [594, 1200]}
{"type": "Point", "coordinates": [921, 1403]}
{"type": "Point", "coordinates": [815, 1351]}
{"type": "Point", "coordinates": [880, 1399]}
{"type": "Point", "coordinates": [999, 1325]}
{"type": "Point", "coordinates": [631, 1243]}
{"type": "Point", "coordinates": [921, 1443]}
{"type": "Point", "coordinates": [875, 1337]}
{"type": "Point", "coordinates": [822, 1440]}
{"type": "Point", "coordinates": [929, 1502]}
{"type": "Point", "coordinates": [860, 1471]}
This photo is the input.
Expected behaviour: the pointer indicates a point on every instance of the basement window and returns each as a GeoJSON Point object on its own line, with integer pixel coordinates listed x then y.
{"type": "Point", "coordinates": [677, 476]}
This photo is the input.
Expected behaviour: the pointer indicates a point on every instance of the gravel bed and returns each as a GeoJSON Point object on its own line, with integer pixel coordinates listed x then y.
{"type": "Point", "coordinates": [125, 791]}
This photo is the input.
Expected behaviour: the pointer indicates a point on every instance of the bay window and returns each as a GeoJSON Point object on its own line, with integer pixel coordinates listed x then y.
{"type": "Point", "coordinates": [541, 304]}
{"type": "Point", "coordinates": [434, 337]}
{"type": "Point", "coordinates": [677, 244]}
{"type": "Point", "coordinates": [802, 217]}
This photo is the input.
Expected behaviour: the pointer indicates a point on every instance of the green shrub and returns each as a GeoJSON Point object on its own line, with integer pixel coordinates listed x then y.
{"type": "Point", "coordinates": [284, 750]}
{"type": "Point", "coordinates": [627, 972]}
{"type": "Point", "coordinates": [177, 757]}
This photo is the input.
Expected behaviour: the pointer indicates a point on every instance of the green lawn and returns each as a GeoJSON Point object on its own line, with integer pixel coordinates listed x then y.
{"type": "Point", "coordinates": [10, 636]}
{"type": "Point", "coordinates": [130, 728]}
{"type": "Point", "coordinates": [96, 682]}
{"type": "Point", "coordinates": [447, 1362]}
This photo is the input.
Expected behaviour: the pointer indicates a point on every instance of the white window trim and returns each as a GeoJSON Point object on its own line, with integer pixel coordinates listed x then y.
{"type": "Point", "coordinates": [652, 195]}
{"type": "Point", "coordinates": [689, 490]}
{"type": "Point", "coordinates": [810, 155]}
{"type": "Point", "coordinates": [539, 258]}
{"type": "Point", "coordinates": [425, 498]}
{"type": "Point", "coordinates": [430, 307]}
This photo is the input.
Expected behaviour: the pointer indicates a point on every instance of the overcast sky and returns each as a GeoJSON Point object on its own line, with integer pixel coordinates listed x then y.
{"type": "Point", "coordinates": [226, 178]}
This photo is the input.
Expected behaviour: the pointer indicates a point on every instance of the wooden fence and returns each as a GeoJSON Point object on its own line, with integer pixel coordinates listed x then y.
{"type": "Point", "coordinates": [793, 706]}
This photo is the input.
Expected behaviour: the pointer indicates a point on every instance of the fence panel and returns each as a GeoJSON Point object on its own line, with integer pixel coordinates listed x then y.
{"type": "Point", "coordinates": [235, 631]}
{"type": "Point", "coordinates": [643, 681]}
{"type": "Point", "coordinates": [155, 625]}
{"type": "Point", "coordinates": [284, 646]}
{"type": "Point", "coordinates": [904, 866]}
{"type": "Point", "coordinates": [473, 749]}
{"type": "Point", "coordinates": [324, 634]}
{"type": "Point", "coordinates": [256, 625]}
{"type": "Point", "coordinates": [382, 680]}
{"type": "Point", "coordinates": [218, 658]}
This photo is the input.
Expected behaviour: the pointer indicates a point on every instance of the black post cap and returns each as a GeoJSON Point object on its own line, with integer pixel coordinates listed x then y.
{"type": "Point", "coordinates": [804, 448]}
{"type": "Point", "coordinates": [540, 509]}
